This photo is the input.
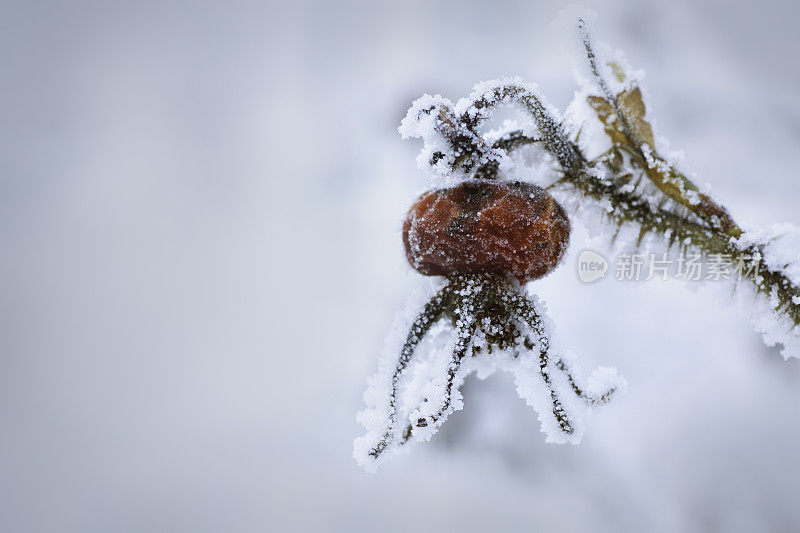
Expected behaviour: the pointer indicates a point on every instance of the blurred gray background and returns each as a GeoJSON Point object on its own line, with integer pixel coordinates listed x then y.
{"type": "Point", "coordinates": [199, 218]}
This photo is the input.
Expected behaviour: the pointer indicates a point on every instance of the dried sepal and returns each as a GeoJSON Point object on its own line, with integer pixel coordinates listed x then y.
{"type": "Point", "coordinates": [494, 325]}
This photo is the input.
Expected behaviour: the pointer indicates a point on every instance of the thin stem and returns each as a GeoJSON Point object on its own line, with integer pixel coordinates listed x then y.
{"type": "Point", "coordinates": [610, 97]}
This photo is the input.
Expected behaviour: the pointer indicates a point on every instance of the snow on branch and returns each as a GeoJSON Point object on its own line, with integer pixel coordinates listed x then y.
{"type": "Point", "coordinates": [485, 238]}
{"type": "Point", "coordinates": [613, 171]}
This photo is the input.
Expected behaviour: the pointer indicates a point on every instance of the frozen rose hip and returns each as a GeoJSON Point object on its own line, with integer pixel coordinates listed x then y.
{"type": "Point", "coordinates": [513, 228]}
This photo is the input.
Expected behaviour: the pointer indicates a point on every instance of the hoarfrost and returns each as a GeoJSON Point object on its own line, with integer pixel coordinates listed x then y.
{"type": "Point", "coordinates": [606, 144]}
{"type": "Point", "coordinates": [422, 396]}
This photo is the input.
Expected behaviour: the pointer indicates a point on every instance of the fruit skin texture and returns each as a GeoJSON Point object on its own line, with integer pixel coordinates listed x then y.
{"type": "Point", "coordinates": [511, 228]}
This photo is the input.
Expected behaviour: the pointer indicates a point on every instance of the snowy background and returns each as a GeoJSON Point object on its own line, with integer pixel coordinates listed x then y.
{"type": "Point", "coordinates": [199, 217]}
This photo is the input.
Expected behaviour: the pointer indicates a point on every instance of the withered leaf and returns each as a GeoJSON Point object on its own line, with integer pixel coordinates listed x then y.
{"type": "Point", "coordinates": [632, 106]}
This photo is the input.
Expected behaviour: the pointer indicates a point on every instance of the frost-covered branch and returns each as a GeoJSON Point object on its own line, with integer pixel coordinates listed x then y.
{"type": "Point", "coordinates": [624, 117]}
{"type": "Point", "coordinates": [629, 183]}
{"type": "Point", "coordinates": [634, 149]}
{"type": "Point", "coordinates": [486, 236]}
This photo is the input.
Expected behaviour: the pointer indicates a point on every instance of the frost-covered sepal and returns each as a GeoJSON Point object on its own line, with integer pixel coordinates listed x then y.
{"type": "Point", "coordinates": [473, 323]}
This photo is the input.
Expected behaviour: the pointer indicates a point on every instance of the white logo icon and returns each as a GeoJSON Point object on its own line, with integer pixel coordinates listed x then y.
{"type": "Point", "coordinates": [591, 266]}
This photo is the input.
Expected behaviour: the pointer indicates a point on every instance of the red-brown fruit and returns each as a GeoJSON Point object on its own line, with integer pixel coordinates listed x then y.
{"type": "Point", "coordinates": [513, 228]}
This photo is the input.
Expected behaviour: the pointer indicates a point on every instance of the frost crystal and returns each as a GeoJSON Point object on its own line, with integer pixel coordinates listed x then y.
{"type": "Point", "coordinates": [490, 324]}
{"type": "Point", "coordinates": [607, 164]}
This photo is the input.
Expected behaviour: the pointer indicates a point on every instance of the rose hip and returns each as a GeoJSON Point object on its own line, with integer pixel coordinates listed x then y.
{"type": "Point", "coordinates": [511, 228]}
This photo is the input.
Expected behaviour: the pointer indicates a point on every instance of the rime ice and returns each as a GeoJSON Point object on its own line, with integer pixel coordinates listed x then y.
{"type": "Point", "coordinates": [489, 323]}
{"type": "Point", "coordinates": [606, 163]}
